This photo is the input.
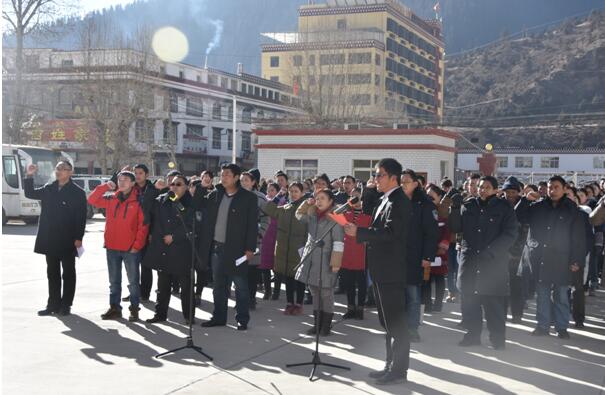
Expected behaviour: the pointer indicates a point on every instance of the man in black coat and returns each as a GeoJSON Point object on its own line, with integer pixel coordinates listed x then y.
{"type": "Point", "coordinates": [422, 241]}
{"type": "Point", "coordinates": [60, 233]}
{"type": "Point", "coordinates": [489, 229]}
{"type": "Point", "coordinates": [170, 251]}
{"type": "Point", "coordinates": [230, 231]}
{"type": "Point", "coordinates": [386, 260]}
{"type": "Point", "coordinates": [556, 249]}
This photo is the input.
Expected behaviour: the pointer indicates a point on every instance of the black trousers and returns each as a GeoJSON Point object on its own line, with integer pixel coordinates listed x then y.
{"type": "Point", "coordinates": [390, 300]}
{"type": "Point", "coordinates": [426, 292]}
{"type": "Point", "coordinates": [57, 300]}
{"type": "Point", "coordinates": [578, 307]}
{"type": "Point", "coordinates": [494, 308]}
{"type": "Point", "coordinates": [165, 287]}
{"type": "Point", "coordinates": [253, 280]}
{"type": "Point", "coordinates": [266, 278]}
{"type": "Point", "coordinates": [201, 280]}
{"type": "Point", "coordinates": [294, 287]}
{"type": "Point", "coordinates": [355, 284]}
{"type": "Point", "coordinates": [146, 281]}
{"type": "Point", "coordinates": [516, 300]}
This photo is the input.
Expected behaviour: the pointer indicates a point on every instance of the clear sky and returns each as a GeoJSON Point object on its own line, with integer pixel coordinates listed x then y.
{"type": "Point", "coordinates": [91, 5]}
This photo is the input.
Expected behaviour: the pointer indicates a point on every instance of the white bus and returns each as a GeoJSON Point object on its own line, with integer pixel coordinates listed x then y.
{"type": "Point", "coordinates": [15, 159]}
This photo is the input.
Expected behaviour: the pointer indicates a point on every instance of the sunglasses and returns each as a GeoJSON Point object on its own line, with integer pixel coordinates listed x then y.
{"type": "Point", "coordinates": [176, 184]}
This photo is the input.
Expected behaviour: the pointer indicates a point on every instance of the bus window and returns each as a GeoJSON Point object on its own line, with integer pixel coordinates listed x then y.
{"type": "Point", "coordinates": [46, 161]}
{"type": "Point", "coordinates": [92, 184]}
{"type": "Point", "coordinates": [9, 167]}
{"type": "Point", "coordinates": [79, 183]}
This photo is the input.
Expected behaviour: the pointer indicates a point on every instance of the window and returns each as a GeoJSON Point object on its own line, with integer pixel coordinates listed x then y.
{"type": "Point", "coordinates": [363, 168]}
{"type": "Point", "coordinates": [549, 162]}
{"type": "Point", "coordinates": [181, 74]}
{"type": "Point", "coordinates": [274, 78]}
{"type": "Point", "coordinates": [524, 162]}
{"type": "Point", "coordinates": [244, 88]}
{"type": "Point", "coordinates": [256, 91]}
{"type": "Point", "coordinates": [359, 79]}
{"type": "Point", "coordinates": [174, 103]}
{"type": "Point", "coordinates": [66, 98]}
{"type": "Point", "coordinates": [9, 168]}
{"type": "Point", "coordinates": [230, 139]}
{"type": "Point", "coordinates": [139, 130]}
{"type": "Point", "coordinates": [216, 111]}
{"type": "Point", "coordinates": [263, 92]}
{"type": "Point", "coordinates": [250, 89]}
{"type": "Point", "coordinates": [233, 84]}
{"type": "Point", "coordinates": [212, 79]}
{"type": "Point", "coordinates": [377, 60]}
{"type": "Point", "coordinates": [311, 60]}
{"type": "Point", "coordinates": [194, 107]}
{"type": "Point", "coordinates": [361, 100]}
{"type": "Point", "coordinates": [247, 115]}
{"type": "Point", "coordinates": [274, 60]}
{"type": "Point", "coordinates": [196, 130]}
{"type": "Point", "coordinates": [360, 58]}
{"type": "Point", "coordinates": [599, 162]}
{"type": "Point", "coordinates": [376, 79]}
{"type": "Point", "coordinates": [217, 138]}
{"type": "Point", "coordinates": [198, 78]}
{"type": "Point", "coordinates": [67, 63]}
{"type": "Point", "coordinates": [79, 183]}
{"type": "Point", "coordinates": [332, 79]}
{"type": "Point", "coordinates": [246, 141]}
{"type": "Point", "coordinates": [341, 24]}
{"type": "Point", "coordinates": [92, 184]}
{"type": "Point", "coordinates": [502, 161]}
{"type": "Point", "coordinates": [224, 82]}
{"type": "Point", "coordinates": [169, 132]}
{"type": "Point", "coordinates": [326, 59]}
{"type": "Point", "coordinates": [32, 62]}
{"type": "Point", "coordinates": [297, 60]}
{"type": "Point", "coordinates": [299, 169]}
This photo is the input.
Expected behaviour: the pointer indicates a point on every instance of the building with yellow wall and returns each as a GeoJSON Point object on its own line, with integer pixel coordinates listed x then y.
{"type": "Point", "coordinates": [364, 59]}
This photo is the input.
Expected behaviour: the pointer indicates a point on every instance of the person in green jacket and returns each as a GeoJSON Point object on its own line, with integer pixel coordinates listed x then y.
{"type": "Point", "coordinates": [291, 237]}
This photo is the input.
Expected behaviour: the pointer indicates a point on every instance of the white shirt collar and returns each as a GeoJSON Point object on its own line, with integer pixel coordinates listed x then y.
{"type": "Point", "coordinates": [387, 193]}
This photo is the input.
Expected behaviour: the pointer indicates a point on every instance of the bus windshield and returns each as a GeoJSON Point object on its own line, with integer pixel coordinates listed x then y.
{"type": "Point", "coordinates": [46, 161]}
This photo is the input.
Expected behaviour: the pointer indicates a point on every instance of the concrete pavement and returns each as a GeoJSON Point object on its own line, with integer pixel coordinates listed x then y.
{"type": "Point", "coordinates": [82, 354]}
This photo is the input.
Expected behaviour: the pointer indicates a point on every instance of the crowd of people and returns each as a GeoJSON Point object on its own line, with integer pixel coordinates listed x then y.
{"type": "Point", "coordinates": [404, 242]}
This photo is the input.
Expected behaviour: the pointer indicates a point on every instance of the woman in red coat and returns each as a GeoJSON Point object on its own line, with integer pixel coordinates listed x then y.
{"type": "Point", "coordinates": [353, 269]}
{"type": "Point", "coordinates": [438, 273]}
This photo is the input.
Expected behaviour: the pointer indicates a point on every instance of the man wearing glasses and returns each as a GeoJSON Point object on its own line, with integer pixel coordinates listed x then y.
{"type": "Point", "coordinates": [386, 260]}
{"type": "Point", "coordinates": [60, 233]}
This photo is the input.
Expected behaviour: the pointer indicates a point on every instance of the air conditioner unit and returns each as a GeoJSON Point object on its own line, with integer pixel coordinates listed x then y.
{"type": "Point", "coordinates": [351, 126]}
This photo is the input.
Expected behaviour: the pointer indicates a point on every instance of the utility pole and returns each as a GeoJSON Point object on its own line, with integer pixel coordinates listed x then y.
{"type": "Point", "coordinates": [234, 145]}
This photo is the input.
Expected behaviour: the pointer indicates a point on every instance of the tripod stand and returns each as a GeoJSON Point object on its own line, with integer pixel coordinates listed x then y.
{"type": "Point", "coordinates": [316, 361]}
{"type": "Point", "coordinates": [189, 339]}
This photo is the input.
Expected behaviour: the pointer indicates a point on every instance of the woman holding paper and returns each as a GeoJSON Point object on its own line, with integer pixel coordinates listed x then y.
{"type": "Point", "coordinates": [319, 267]}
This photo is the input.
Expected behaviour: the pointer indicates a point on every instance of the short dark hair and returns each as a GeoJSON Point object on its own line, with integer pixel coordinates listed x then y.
{"type": "Point", "coordinates": [533, 187]}
{"type": "Point", "coordinates": [296, 184]}
{"type": "Point", "coordinates": [542, 184]}
{"type": "Point", "coordinates": [328, 193]}
{"type": "Point", "coordinates": [173, 173]}
{"type": "Point", "coordinates": [392, 167]}
{"type": "Point", "coordinates": [436, 189]}
{"type": "Point", "coordinates": [142, 167]}
{"type": "Point", "coordinates": [280, 173]}
{"type": "Point", "coordinates": [210, 174]}
{"type": "Point", "coordinates": [421, 179]}
{"type": "Point", "coordinates": [475, 176]}
{"type": "Point", "coordinates": [182, 177]}
{"type": "Point", "coordinates": [274, 185]}
{"type": "Point", "coordinates": [491, 179]}
{"type": "Point", "coordinates": [557, 178]}
{"type": "Point", "coordinates": [128, 174]}
{"type": "Point", "coordinates": [410, 173]}
{"type": "Point", "coordinates": [235, 169]}
{"type": "Point", "coordinates": [251, 176]}
{"type": "Point", "coordinates": [446, 183]}
{"type": "Point", "coordinates": [322, 176]}
{"type": "Point", "coordinates": [351, 177]}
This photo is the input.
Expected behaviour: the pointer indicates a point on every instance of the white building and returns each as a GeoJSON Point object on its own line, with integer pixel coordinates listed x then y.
{"type": "Point", "coordinates": [305, 153]}
{"type": "Point", "coordinates": [534, 165]}
{"type": "Point", "coordinates": [195, 102]}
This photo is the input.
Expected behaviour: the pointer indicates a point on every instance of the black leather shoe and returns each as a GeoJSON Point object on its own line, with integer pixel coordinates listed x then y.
{"type": "Point", "coordinates": [47, 311]}
{"type": "Point", "coordinates": [242, 327]}
{"type": "Point", "coordinates": [155, 319]}
{"type": "Point", "coordinates": [540, 332]}
{"type": "Point", "coordinates": [65, 311]}
{"type": "Point", "coordinates": [392, 378]}
{"type": "Point", "coordinates": [469, 342]}
{"type": "Point", "coordinates": [563, 334]}
{"type": "Point", "coordinates": [378, 373]}
{"type": "Point", "coordinates": [211, 323]}
{"type": "Point", "coordinates": [497, 346]}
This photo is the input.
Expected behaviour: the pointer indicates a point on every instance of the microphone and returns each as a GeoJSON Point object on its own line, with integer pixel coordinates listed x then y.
{"type": "Point", "coordinates": [347, 206]}
{"type": "Point", "coordinates": [178, 205]}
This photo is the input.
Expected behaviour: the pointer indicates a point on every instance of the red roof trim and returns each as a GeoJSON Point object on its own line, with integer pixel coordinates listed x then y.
{"type": "Point", "coordinates": [357, 132]}
{"type": "Point", "coordinates": [434, 147]}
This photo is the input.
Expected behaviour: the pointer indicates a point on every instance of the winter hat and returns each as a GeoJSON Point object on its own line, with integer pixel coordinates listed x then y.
{"type": "Point", "coordinates": [511, 183]}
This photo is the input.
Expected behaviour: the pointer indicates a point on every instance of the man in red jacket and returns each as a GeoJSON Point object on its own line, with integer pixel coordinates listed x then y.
{"type": "Point", "coordinates": [125, 236]}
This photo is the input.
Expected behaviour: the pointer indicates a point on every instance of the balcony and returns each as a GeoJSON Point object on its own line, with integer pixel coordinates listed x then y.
{"type": "Point", "coordinates": [321, 37]}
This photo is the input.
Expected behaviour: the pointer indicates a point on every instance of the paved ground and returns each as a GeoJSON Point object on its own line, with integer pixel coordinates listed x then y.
{"type": "Point", "coordinates": [81, 354]}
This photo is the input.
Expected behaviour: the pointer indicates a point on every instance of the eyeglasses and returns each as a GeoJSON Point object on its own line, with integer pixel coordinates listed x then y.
{"type": "Point", "coordinates": [62, 168]}
{"type": "Point", "coordinates": [379, 175]}
{"type": "Point", "coordinates": [176, 184]}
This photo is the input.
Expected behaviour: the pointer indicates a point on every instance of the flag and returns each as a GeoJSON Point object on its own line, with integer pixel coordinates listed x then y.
{"type": "Point", "coordinates": [437, 7]}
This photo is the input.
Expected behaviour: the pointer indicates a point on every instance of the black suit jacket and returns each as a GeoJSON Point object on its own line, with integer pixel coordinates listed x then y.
{"type": "Point", "coordinates": [386, 239]}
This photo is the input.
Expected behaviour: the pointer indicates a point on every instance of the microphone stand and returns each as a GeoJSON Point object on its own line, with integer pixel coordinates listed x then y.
{"type": "Point", "coordinates": [189, 339]}
{"type": "Point", "coordinates": [316, 361]}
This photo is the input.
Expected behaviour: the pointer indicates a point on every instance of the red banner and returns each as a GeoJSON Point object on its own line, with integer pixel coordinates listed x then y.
{"type": "Point", "coordinates": [77, 131]}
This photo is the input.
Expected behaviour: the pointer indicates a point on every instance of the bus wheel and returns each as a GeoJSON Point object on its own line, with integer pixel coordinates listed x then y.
{"type": "Point", "coordinates": [30, 220]}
